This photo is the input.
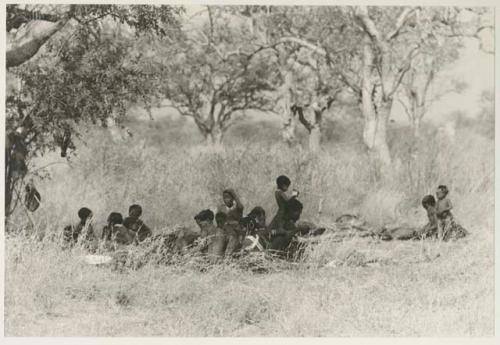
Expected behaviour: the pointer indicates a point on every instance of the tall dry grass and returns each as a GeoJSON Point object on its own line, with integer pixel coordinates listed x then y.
{"type": "Point", "coordinates": [168, 172]}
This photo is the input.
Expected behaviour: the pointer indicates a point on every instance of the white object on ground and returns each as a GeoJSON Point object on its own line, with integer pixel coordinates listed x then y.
{"type": "Point", "coordinates": [97, 259]}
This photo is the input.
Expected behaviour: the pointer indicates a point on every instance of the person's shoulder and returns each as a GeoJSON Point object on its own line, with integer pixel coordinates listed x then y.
{"type": "Point", "coordinates": [280, 193]}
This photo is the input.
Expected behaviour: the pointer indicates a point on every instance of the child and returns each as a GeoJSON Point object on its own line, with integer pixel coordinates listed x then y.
{"type": "Point", "coordinates": [282, 197]}
{"type": "Point", "coordinates": [233, 208]}
{"type": "Point", "coordinates": [282, 236]}
{"type": "Point", "coordinates": [134, 223]}
{"type": "Point", "coordinates": [431, 228]}
{"type": "Point", "coordinates": [447, 227]}
{"type": "Point", "coordinates": [217, 246]}
{"type": "Point", "coordinates": [256, 234]}
{"type": "Point", "coordinates": [116, 233]}
{"type": "Point", "coordinates": [205, 219]}
{"type": "Point", "coordinates": [72, 232]}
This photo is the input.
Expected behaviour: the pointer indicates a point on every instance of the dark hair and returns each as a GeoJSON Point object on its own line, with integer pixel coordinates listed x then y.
{"type": "Point", "coordinates": [135, 208]}
{"type": "Point", "coordinates": [428, 200]}
{"type": "Point", "coordinates": [115, 218]}
{"type": "Point", "coordinates": [257, 211]}
{"type": "Point", "coordinates": [443, 188]}
{"type": "Point", "coordinates": [205, 215]}
{"type": "Point", "coordinates": [283, 181]}
{"type": "Point", "coordinates": [248, 223]}
{"type": "Point", "coordinates": [84, 213]}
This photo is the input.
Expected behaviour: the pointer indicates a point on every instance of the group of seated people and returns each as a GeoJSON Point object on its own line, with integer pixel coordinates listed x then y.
{"type": "Point", "coordinates": [229, 235]}
{"type": "Point", "coordinates": [118, 231]}
{"type": "Point", "coordinates": [232, 232]}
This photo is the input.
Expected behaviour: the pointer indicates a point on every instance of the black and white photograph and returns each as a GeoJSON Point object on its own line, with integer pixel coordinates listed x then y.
{"type": "Point", "coordinates": [249, 170]}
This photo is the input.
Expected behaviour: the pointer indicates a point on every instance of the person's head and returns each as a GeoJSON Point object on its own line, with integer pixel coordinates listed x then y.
{"type": "Point", "coordinates": [428, 200]}
{"type": "Point", "coordinates": [293, 210]}
{"type": "Point", "coordinates": [135, 211]}
{"type": "Point", "coordinates": [84, 213]}
{"type": "Point", "coordinates": [115, 218]}
{"type": "Point", "coordinates": [204, 217]}
{"type": "Point", "coordinates": [228, 197]}
{"type": "Point", "coordinates": [259, 214]}
{"type": "Point", "coordinates": [283, 182]}
{"type": "Point", "coordinates": [130, 223]}
{"type": "Point", "coordinates": [441, 192]}
{"type": "Point", "coordinates": [220, 219]}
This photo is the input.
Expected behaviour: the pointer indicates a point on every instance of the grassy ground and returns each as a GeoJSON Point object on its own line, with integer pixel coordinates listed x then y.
{"type": "Point", "coordinates": [412, 289]}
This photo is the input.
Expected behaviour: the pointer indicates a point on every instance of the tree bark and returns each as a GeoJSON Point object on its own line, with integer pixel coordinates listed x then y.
{"type": "Point", "coordinates": [25, 47]}
{"type": "Point", "coordinates": [312, 125]}
{"type": "Point", "coordinates": [214, 138]}
{"type": "Point", "coordinates": [375, 110]}
{"type": "Point", "coordinates": [315, 139]}
{"type": "Point", "coordinates": [288, 116]}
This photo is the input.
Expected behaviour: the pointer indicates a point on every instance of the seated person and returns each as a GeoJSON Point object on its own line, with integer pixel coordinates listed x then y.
{"type": "Point", "coordinates": [430, 229]}
{"type": "Point", "coordinates": [205, 219]}
{"type": "Point", "coordinates": [71, 233]}
{"type": "Point", "coordinates": [134, 223]}
{"type": "Point", "coordinates": [254, 225]}
{"type": "Point", "coordinates": [217, 246]}
{"type": "Point", "coordinates": [115, 234]}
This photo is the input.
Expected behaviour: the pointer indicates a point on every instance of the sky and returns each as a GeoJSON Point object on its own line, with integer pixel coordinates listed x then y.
{"type": "Point", "coordinates": [476, 68]}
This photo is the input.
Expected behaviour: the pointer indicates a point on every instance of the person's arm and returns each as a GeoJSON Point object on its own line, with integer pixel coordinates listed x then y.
{"type": "Point", "coordinates": [447, 205]}
{"type": "Point", "coordinates": [285, 196]}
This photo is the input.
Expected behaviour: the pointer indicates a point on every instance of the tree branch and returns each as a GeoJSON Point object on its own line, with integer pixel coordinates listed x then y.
{"type": "Point", "coordinates": [300, 111]}
{"type": "Point", "coordinates": [368, 25]}
{"type": "Point", "coordinates": [403, 70]}
{"type": "Point", "coordinates": [20, 52]}
{"type": "Point", "coordinates": [400, 22]}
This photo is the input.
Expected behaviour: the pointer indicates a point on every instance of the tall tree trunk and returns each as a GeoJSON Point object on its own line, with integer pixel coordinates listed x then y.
{"type": "Point", "coordinates": [313, 125]}
{"type": "Point", "coordinates": [417, 120]}
{"type": "Point", "coordinates": [315, 139]}
{"type": "Point", "coordinates": [375, 110]}
{"type": "Point", "coordinates": [315, 132]}
{"type": "Point", "coordinates": [214, 138]}
{"type": "Point", "coordinates": [288, 116]}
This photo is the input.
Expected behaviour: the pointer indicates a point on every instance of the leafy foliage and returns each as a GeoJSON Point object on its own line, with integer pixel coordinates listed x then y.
{"type": "Point", "coordinates": [213, 72]}
{"type": "Point", "coordinates": [85, 73]}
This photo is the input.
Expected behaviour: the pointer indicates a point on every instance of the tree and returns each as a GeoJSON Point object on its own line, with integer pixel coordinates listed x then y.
{"type": "Point", "coordinates": [372, 53]}
{"type": "Point", "coordinates": [213, 72]}
{"type": "Point", "coordinates": [82, 74]}
{"type": "Point", "coordinates": [307, 84]}
{"type": "Point", "coordinates": [417, 93]}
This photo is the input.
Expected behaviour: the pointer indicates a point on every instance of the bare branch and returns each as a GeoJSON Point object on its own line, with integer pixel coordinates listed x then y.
{"type": "Point", "coordinates": [304, 43]}
{"type": "Point", "coordinates": [405, 14]}
{"type": "Point", "coordinates": [368, 25]}
{"type": "Point", "coordinates": [405, 107]}
{"type": "Point", "coordinates": [349, 82]}
{"type": "Point", "coordinates": [300, 111]}
{"type": "Point", "coordinates": [403, 70]}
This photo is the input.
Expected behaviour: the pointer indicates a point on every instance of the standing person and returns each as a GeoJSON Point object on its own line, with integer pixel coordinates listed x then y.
{"type": "Point", "coordinates": [233, 208]}
{"type": "Point", "coordinates": [282, 197]}
{"type": "Point", "coordinates": [281, 237]}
